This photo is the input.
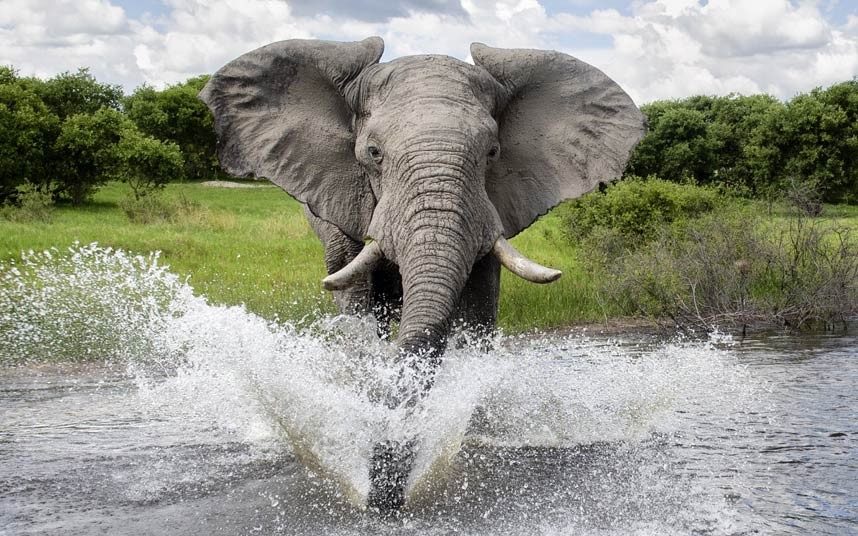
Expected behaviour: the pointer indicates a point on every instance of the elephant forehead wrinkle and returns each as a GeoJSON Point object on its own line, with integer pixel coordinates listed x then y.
{"type": "Point", "coordinates": [439, 161]}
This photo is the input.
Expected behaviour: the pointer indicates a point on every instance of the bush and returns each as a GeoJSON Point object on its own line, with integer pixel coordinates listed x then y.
{"type": "Point", "coordinates": [155, 208]}
{"type": "Point", "coordinates": [32, 205]}
{"type": "Point", "coordinates": [733, 267]}
{"type": "Point", "coordinates": [87, 148]}
{"type": "Point", "coordinates": [636, 208]}
{"type": "Point", "coordinates": [68, 94]}
{"type": "Point", "coordinates": [144, 163]}
{"type": "Point", "coordinates": [28, 130]}
{"type": "Point", "coordinates": [177, 115]}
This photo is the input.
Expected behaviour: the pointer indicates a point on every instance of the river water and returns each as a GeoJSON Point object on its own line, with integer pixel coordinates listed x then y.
{"type": "Point", "coordinates": [190, 418]}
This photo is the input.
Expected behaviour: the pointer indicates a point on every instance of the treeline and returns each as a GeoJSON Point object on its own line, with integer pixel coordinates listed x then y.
{"type": "Point", "coordinates": [757, 146]}
{"type": "Point", "coordinates": [68, 135]}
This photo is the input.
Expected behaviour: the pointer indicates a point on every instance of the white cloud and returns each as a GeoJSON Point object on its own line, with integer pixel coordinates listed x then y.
{"type": "Point", "coordinates": [661, 49]}
{"type": "Point", "coordinates": [676, 48]}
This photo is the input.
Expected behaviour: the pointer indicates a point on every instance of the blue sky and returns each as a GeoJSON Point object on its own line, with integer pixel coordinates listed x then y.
{"type": "Point", "coordinates": [655, 48]}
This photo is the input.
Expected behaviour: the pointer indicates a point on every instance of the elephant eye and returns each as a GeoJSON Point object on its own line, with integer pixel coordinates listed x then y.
{"type": "Point", "coordinates": [374, 153]}
{"type": "Point", "coordinates": [493, 152]}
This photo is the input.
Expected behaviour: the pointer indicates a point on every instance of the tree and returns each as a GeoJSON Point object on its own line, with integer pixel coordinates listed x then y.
{"type": "Point", "coordinates": [177, 115]}
{"type": "Point", "coordinates": [28, 130]}
{"type": "Point", "coordinates": [145, 163]}
{"type": "Point", "coordinates": [680, 145]}
{"type": "Point", "coordinates": [87, 145]}
{"type": "Point", "coordinates": [812, 142]}
{"type": "Point", "coordinates": [68, 94]}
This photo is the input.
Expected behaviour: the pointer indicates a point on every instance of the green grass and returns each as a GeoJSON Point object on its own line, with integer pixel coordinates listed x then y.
{"type": "Point", "coordinates": [254, 246]}
{"type": "Point", "coordinates": [571, 299]}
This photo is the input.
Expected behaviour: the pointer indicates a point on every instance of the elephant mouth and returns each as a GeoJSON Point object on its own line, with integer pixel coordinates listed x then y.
{"type": "Point", "coordinates": [511, 259]}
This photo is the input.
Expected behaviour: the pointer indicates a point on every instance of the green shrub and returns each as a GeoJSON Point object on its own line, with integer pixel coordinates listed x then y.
{"type": "Point", "coordinates": [732, 267]}
{"type": "Point", "coordinates": [144, 163]}
{"type": "Point", "coordinates": [636, 208]}
{"type": "Point", "coordinates": [87, 147]}
{"type": "Point", "coordinates": [28, 129]}
{"type": "Point", "coordinates": [156, 208]}
{"type": "Point", "coordinates": [32, 205]}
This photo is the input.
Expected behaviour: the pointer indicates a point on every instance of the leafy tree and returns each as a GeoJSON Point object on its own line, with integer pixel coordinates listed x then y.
{"type": "Point", "coordinates": [735, 118]}
{"type": "Point", "coordinates": [87, 144]}
{"type": "Point", "coordinates": [680, 145]}
{"type": "Point", "coordinates": [68, 93]}
{"type": "Point", "coordinates": [812, 143]}
{"type": "Point", "coordinates": [27, 133]}
{"type": "Point", "coordinates": [106, 146]}
{"type": "Point", "coordinates": [145, 163]}
{"type": "Point", "coordinates": [177, 115]}
{"type": "Point", "coordinates": [707, 140]}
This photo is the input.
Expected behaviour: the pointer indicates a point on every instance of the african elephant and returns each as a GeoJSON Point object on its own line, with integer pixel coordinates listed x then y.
{"type": "Point", "coordinates": [435, 160]}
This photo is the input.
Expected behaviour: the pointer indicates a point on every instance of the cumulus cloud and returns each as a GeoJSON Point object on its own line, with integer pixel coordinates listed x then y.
{"type": "Point", "coordinates": [654, 48]}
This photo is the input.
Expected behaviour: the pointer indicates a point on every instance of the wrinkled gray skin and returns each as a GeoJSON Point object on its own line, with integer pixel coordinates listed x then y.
{"type": "Point", "coordinates": [431, 157]}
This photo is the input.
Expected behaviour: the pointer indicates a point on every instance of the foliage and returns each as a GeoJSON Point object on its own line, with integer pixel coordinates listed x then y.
{"type": "Point", "coordinates": [814, 139]}
{"type": "Point", "coordinates": [701, 139]}
{"type": "Point", "coordinates": [756, 145]}
{"type": "Point", "coordinates": [145, 163]}
{"type": "Point", "coordinates": [32, 205]}
{"type": "Point", "coordinates": [87, 145]}
{"type": "Point", "coordinates": [69, 94]}
{"type": "Point", "coordinates": [27, 133]}
{"type": "Point", "coordinates": [733, 267]}
{"type": "Point", "coordinates": [106, 145]}
{"type": "Point", "coordinates": [69, 135]}
{"type": "Point", "coordinates": [177, 115]}
{"type": "Point", "coordinates": [155, 208]}
{"type": "Point", "coordinates": [636, 208]}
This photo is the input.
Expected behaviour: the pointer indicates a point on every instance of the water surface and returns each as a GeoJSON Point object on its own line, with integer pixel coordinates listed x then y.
{"type": "Point", "coordinates": [196, 419]}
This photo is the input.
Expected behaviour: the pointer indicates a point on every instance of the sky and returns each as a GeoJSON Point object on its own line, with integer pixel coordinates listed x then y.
{"type": "Point", "coordinates": [655, 49]}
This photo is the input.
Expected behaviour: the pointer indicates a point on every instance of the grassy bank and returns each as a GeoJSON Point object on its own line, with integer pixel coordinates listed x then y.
{"type": "Point", "coordinates": [254, 246]}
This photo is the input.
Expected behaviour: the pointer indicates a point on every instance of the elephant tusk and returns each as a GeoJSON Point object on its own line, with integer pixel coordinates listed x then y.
{"type": "Point", "coordinates": [515, 262]}
{"type": "Point", "coordinates": [346, 276]}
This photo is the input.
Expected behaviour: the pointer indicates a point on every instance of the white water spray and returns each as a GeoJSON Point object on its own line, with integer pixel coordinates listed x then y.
{"type": "Point", "coordinates": [319, 389]}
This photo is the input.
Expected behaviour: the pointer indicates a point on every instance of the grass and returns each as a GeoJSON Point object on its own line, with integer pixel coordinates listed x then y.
{"type": "Point", "coordinates": [254, 246]}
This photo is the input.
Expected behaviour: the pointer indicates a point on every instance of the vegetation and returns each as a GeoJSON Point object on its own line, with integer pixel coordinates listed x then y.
{"type": "Point", "coordinates": [636, 209]}
{"type": "Point", "coordinates": [729, 265]}
{"type": "Point", "coordinates": [68, 136]}
{"type": "Point", "coordinates": [733, 223]}
{"type": "Point", "coordinates": [177, 115]}
{"type": "Point", "coordinates": [733, 264]}
{"type": "Point", "coordinates": [33, 205]}
{"type": "Point", "coordinates": [254, 246]}
{"type": "Point", "coordinates": [755, 145]}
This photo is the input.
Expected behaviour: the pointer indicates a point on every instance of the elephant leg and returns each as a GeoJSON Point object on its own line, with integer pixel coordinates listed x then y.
{"type": "Point", "coordinates": [386, 297]}
{"type": "Point", "coordinates": [478, 307]}
{"type": "Point", "coordinates": [391, 464]}
{"type": "Point", "coordinates": [340, 249]}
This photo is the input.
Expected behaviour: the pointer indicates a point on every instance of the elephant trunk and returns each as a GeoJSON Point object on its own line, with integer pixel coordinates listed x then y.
{"type": "Point", "coordinates": [432, 281]}
{"type": "Point", "coordinates": [443, 227]}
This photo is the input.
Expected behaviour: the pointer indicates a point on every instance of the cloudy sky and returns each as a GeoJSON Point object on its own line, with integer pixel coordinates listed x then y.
{"type": "Point", "coordinates": [655, 49]}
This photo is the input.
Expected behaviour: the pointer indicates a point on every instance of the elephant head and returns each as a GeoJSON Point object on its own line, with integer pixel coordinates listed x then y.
{"type": "Point", "coordinates": [436, 160]}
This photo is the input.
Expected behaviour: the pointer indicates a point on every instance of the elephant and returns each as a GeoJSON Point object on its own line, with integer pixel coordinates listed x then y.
{"type": "Point", "coordinates": [414, 174]}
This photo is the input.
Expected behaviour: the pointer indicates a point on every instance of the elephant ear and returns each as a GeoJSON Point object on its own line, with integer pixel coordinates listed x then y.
{"type": "Point", "coordinates": [564, 127]}
{"type": "Point", "coordinates": [280, 114]}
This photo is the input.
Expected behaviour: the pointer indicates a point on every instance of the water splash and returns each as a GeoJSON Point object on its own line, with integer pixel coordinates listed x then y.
{"type": "Point", "coordinates": [318, 390]}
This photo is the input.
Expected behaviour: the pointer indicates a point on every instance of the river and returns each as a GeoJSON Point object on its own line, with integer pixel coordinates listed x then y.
{"type": "Point", "coordinates": [209, 420]}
